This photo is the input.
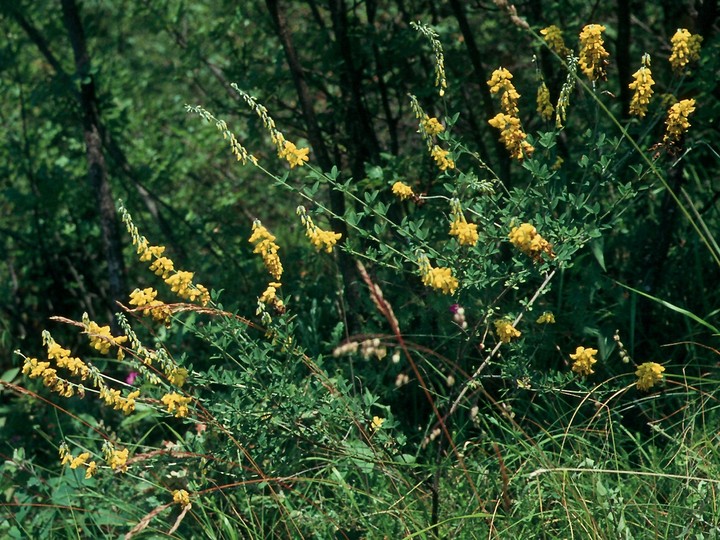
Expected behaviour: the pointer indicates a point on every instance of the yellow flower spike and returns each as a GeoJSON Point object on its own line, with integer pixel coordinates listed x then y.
{"type": "Point", "coordinates": [642, 88]}
{"type": "Point", "coordinates": [648, 374]}
{"type": "Point", "coordinates": [583, 360]}
{"type": "Point", "coordinates": [377, 423]}
{"type": "Point", "coordinates": [546, 318]}
{"type": "Point", "coordinates": [402, 191]}
{"type": "Point", "coordinates": [80, 460]}
{"type": "Point", "coordinates": [544, 107]}
{"type": "Point", "coordinates": [117, 459]}
{"type": "Point", "coordinates": [439, 278]}
{"type": "Point", "coordinates": [181, 497]}
{"type": "Point", "coordinates": [319, 238]}
{"type": "Point", "coordinates": [441, 159]}
{"type": "Point", "coordinates": [431, 126]}
{"type": "Point", "coordinates": [512, 135]}
{"type": "Point", "coordinates": [506, 331]}
{"type": "Point", "coordinates": [266, 247]}
{"type": "Point", "coordinates": [501, 83]}
{"type": "Point", "coordinates": [178, 376]}
{"type": "Point", "coordinates": [592, 52]}
{"type": "Point", "coordinates": [677, 122]}
{"type": "Point", "coordinates": [91, 470]}
{"type": "Point", "coordinates": [685, 49]}
{"type": "Point", "coordinates": [466, 233]}
{"type": "Point", "coordinates": [553, 37]}
{"type": "Point", "coordinates": [526, 238]}
{"type": "Point", "coordinates": [176, 403]}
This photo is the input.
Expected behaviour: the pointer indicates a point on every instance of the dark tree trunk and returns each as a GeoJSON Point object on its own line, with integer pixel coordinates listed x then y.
{"type": "Point", "coordinates": [97, 170]}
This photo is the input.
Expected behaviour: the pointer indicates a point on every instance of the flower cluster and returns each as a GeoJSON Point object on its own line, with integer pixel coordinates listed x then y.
{"type": "Point", "coordinates": [583, 360]}
{"type": "Point", "coordinates": [376, 423]}
{"type": "Point", "coordinates": [554, 39]}
{"type": "Point", "coordinates": [114, 399]}
{"type": "Point", "coordinates": [431, 126]}
{"type": "Point", "coordinates": [546, 318]}
{"type": "Point", "coordinates": [319, 238]}
{"type": "Point", "coordinates": [296, 157]}
{"type": "Point", "coordinates": [440, 156]}
{"type": "Point", "coordinates": [180, 281]}
{"type": "Point", "coordinates": [507, 121]}
{"type": "Point", "coordinates": [526, 238]}
{"type": "Point", "coordinates": [592, 52]}
{"type": "Point", "coordinates": [501, 83]}
{"type": "Point", "coordinates": [685, 49]}
{"type": "Point", "coordinates": [237, 149]}
{"type": "Point", "coordinates": [101, 339]}
{"type": "Point", "coordinates": [181, 497]}
{"type": "Point", "coordinates": [429, 129]}
{"type": "Point", "coordinates": [648, 375]}
{"type": "Point", "coordinates": [176, 403]}
{"type": "Point", "coordinates": [144, 299]}
{"type": "Point", "coordinates": [677, 121]}
{"type": "Point", "coordinates": [506, 331]}
{"type": "Point", "coordinates": [466, 233]}
{"type": "Point", "coordinates": [66, 457]}
{"type": "Point", "coordinates": [115, 458]}
{"type": "Point", "coordinates": [544, 107]}
{"type": "Point", "coordinates": [432, 36]}
{"type": "Point", "coordinates": [642, 87]}
{"type": "Point", "coordinates": [402, 191]}
{"type": "Point", "coordinates": [438, 278]}
{"type": "Point", "coordinates": [266, 247]}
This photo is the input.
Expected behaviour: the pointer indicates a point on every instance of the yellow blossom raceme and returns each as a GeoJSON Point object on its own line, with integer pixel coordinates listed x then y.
{"type": "Point", "coordinates": [80, 460]}
{"type": "Point", "coordinates": [377, 423]}
{"type": "Point", "coordinates": [440, 157]}
{"type": "Point", "coordinates": [677, 120]}
{"type": "Point", "coordinates": [526, 238]}
{"type": "Point", "coordinates": [431, 126]}
{"type": "Point", "coordinates": [506, 331]}
{"type": "Point", "coordinates": [322, 239]}
{"type": "Point", "coordinates": [546, 318]}
{"type": "Point", "coordinates": [438, 278]}
{"type": "Point", "coordinates": [501, 82]}
{"type": "Point", "coordinates": [466, 233]}
{"type": "Point", "coordinates": [649, 374]}
{"type": "Point", "coordinates": [180, 283]}
{"type": "Point", "coordinates": [117, 459]}
{"type": "Point", "coordinates": [269, 296]}
{"type": "Point", "coordinates": [162, 266]}
{"type": "Point", "coordinates": [642, 88]}
{"type": "Point", "coordinates": [91, 470]}
{"type": "Point", "coordinates": [583, 360]}
{"type": "Point", "coordinates": [181, 497]}
{"type": "Point", "coordinates": [101, 338]}
{"type": "Point", "coordinates": [178, 376]}
{"type": "Point", "coordinates": [266, 247]}
{"type": "Point", "coordinates": [148, 253]}
{"type": "Point", "coordinates": [685, 49]}
{"type": "Point", "coordinates": [142, 297]}
{"type": "Point", "coordinates": [553, 37]}
{"type": "Point", "coordinates": [402, 191]}
{"type": "Point", "coordinates": [114, 399]}
{"type": "Point", "coordinates": [177, 403]}
{"type": "Point", "coordinates": [592, 52]}
{"type": "Point", "coordinates": [295, 156]}
{"type": "Point", "coordinates": [512, 136]}
{"type": "Point", "coordinates": [544, 107]}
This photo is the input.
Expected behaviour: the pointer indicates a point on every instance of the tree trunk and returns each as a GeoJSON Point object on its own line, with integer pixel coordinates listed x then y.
{"type": "Point", "coordinates": [97, 170]}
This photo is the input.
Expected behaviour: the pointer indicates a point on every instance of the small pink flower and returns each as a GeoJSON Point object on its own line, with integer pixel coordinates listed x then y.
{"type": "Point", "coordinates": [131, 377]}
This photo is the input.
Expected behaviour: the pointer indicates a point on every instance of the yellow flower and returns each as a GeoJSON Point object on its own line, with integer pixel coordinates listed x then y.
{"type": "Point", "coordinates": [431, 126]}
{"type": "Point", "coordinates": [402, 191]}
{"type": "Point", "coordinates": [512, 136]}
{"type": "Point", "coordinates": [544, 108]}
{"type": "Point", "coordinates": [91, 470]}
{"type": "Point", "coordinates": [142, 297]}
{"type": "Point", "coordinates": [178, 376]}
{"type": "Point", "coordinates": [175, 402]}
{"type": "Point", "coordinates": [440, 157]}
{"type": "Point", "coordinates": [554, 39]}
{"type": "Point", "coordinates": [592, 52]}
{"type": "Point", "coordinates": [546, 318]}
{"type": "Point", "coordinates": [295, 156]}
{"type": "Point", "coordinates": [180, 283]}
{"type": "Point", "coordinates": [101, 338]}
{"type": "Point", "coordinates": [648, 375]}
{"type": "Point", "coordinates": [438, 278]}
{"type": "Point", "coordinates": [162, 266]}
{"type": "Point", "coordinates": [266, 247]}
{"type": "Point", "coordinates": [677, 121]}
{"type": "Point", "coordinates": [377, 423]}
{"type": "Point", "coordinates": [117, 459]}
{"type": "Point", "coordinates": [685, 49]}
{"type": "Point", "coordinates": [465, 232]}
{"type": "Point", "coordinates": [506, 331]}
{"type": "Point", "coordinates": [80, 460]}
{"type": "Point", "coordinates": [501, 81]}
{"type": "Point", "coordinates": [526, 238]}
{"type": "Point", "coordinates": [583, 360]}
{"type": "Point", "coordinates": [114, 399]}
{"type": "Point", "coordinates": [642, 86]}
{"type": "Point", "coordinates": [181, 497]}
{"type": "Point", "coordinates": [322, 239]}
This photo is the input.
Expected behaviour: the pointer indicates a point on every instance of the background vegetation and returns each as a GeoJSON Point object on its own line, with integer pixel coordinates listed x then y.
{"type": "Point", "coordinates": [425, 427]}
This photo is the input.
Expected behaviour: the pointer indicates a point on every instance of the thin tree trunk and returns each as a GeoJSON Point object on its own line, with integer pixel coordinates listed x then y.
{"type": "Point", "coordinates": [97, 170]}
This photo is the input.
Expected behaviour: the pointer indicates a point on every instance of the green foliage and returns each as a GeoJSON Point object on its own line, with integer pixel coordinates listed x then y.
{"type": "Point", "coordinates": [403, 377]}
